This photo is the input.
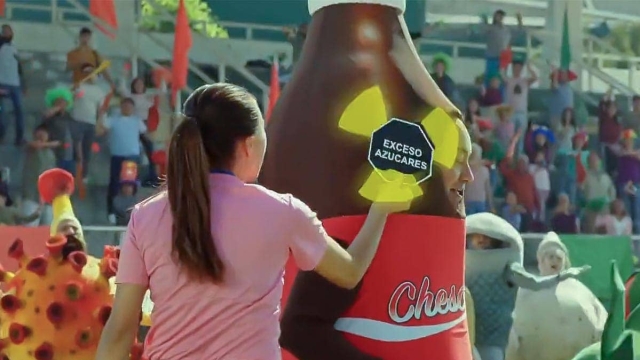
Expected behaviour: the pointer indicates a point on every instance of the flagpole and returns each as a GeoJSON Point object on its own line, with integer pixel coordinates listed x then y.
{"type": "Point", "coordinates": [178, 103]}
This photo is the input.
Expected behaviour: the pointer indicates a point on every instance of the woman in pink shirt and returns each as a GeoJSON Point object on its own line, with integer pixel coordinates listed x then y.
{"type": "Point", "coordinates": [212, 247]}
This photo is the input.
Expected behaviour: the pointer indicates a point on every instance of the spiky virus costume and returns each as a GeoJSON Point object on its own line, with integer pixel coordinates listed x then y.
{"type": "Point", "coordinates": [621, 337]}
{"type": "Point", "coordinates": [57, 303]}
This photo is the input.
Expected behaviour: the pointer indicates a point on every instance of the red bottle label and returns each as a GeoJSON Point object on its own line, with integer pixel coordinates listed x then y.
{"type": "Point", "coordinates": [411, 303]}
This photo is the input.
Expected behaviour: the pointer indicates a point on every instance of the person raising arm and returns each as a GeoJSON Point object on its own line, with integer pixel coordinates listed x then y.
{"type": "Point", "coordinates": [212, 247]}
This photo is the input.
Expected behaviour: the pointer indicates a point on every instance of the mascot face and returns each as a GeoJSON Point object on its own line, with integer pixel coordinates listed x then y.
{"type": "Point", "coordinates": [456, 177]}
{"type": "Point", "coordinates": [552, 261]}
{"type": "Point", "coordinates": [68, 227]}
{"type": "Point", "coordinates": [483, 242]}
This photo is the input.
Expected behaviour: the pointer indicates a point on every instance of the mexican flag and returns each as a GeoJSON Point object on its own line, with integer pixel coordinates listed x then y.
{"type": "Point", "coordinates": [565, 47]}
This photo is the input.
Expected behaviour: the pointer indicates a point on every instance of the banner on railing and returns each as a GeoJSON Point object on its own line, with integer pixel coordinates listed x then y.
{"type": "Point", "coordinates": [34, 239]}
{"type": "Point", "coordinates": [598, 251]}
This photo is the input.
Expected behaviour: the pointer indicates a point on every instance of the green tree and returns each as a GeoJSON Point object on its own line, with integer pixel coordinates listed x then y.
{"type": "Point", "coordinates": [201, 18]}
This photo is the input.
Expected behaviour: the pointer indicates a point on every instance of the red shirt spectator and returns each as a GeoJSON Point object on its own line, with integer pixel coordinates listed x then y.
{"type": "Point", "coordinates": [521, 183]}
{"type": "Point", "coordinates": [609, 124]}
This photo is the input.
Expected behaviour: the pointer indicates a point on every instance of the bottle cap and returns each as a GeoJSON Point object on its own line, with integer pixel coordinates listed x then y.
{"type": "Point", "coordinates": [315, 5]}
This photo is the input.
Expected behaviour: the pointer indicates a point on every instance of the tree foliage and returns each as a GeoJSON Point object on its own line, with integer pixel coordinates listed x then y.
{"type": "Point", "coordinates": [201, 18]}
{"type": "Point", "coordinates": [626, 38]}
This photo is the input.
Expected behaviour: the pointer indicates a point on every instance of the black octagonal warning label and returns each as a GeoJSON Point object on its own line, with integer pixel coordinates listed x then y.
{"type": "Point", "coordinates": [402, 146]}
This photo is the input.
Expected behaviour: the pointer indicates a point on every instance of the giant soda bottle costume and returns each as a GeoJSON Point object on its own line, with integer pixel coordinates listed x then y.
{"type": "Point", "coordinates": [410, 305]}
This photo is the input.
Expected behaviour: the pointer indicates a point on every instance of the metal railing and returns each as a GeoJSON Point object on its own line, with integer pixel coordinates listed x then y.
{"type": "Point", "coordinates": [68, 16]}
{"type": "Point", "coordinates": [594, 63]}
{"type": "Point", "coordinates": [98, 236]}
{"type": "Point", "coordinates": [122, 229]}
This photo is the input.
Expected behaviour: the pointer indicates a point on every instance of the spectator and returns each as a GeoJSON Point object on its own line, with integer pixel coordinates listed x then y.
{"type": "Point", "coordinates": [87, 111]}
{"type": "Point", "coordinates": [12, 83]}
{"type": "Point", "coordinates": [609, 130]}
{"type": "Point", "coordinates": [10, 215]}
{"type": "Point", "coordinates": [124, 143]}
{"type": "Point", "coordinates": [498, 40]}
{"type": "Point", "coordinates": [561, 95]}
{"type": "Point", "coordinates": [478, 193]}
{"type": "Point", "coordinates": [491, 95]}
{"type": "Point", "coordinates": [296, 35]}
{"type": "Point", "coordinates": [521, 183]}
{"type": "Point", "coordinates": [540, 174]}
{"type": "Point", "coordinates": [472, 112]}
{"type": "Point", "coordinates": [539, 139]}
{"type": "Point", "coordinates": [632, 120]}
{"type": "Point", "coordinates": [565, 131]}
{"type": "Point", "coordinates": [512, 211]}
{"type": "Point", "coordinates": [505, 129]}
{"type": "Point", "coordinates": [126, 198]}
{"type": "Point", "coordinates": [628, 179]}
{"type": "Point", "coordinates": [617, 222]}
{"type": "Point", "coordinates": [599, 191]}
{"type": "Point", "coordinates": [83, 55]}
{"type": "Point", "coordinates": [58, 122]}
{"type": "Point", "coordinates": [441, 65]}
{"type": "Point", "coordinates": [571, 169]}
{"type": "Point", "coordinates": [564, 220]}
{"type": "Point", "coordinates": [143, 102]}
{"type": "Point", "coordinates": [39, 158]}
{"type": "Point", "coordinates": [517, 96]}
{"type": "Point", "coordinates": [492, 154]}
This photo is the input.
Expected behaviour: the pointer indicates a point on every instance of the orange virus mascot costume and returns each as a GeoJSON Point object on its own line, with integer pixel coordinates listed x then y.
{"type": "Point", "coordinates": [57, 303]}
{"type": "Point", "coordinates": [358, 73]}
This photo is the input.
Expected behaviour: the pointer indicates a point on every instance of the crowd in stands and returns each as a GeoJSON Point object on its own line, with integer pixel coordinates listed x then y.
{"type": "Point", "coordinates": [65, 137]}
{"type": "Point", "coordinates": [547, 175]}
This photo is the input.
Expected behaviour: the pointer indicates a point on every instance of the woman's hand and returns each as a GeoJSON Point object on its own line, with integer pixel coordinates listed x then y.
{"type": "Point", "coordinates": [385, 208]}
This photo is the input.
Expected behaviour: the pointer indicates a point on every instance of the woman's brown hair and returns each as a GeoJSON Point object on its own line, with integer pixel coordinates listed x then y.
{"type": "Point", "coordinates": [215, 118]}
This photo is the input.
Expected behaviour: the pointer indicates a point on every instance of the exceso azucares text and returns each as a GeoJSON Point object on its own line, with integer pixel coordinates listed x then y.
{"type": "Point", "coordinates": [402, 154]}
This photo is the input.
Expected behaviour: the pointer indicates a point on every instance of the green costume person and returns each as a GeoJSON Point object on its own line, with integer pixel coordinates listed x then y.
{"type": "Point", "coordinates": [620, 339]}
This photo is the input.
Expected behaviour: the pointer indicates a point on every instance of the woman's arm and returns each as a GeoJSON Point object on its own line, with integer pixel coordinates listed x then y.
{"type": "Point", "coordinates": [611, 191]}
{"type": "Point", "coordinates": [533, 76]}
{"type": "Point", "coordinates": [313, 307]}
{"type": "Point", "coordinates": [120, 331]}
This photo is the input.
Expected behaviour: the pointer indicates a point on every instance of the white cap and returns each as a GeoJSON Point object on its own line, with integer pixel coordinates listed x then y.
{"type": "Point", "coordinates": [551, 241]}
{"type": "Point", "coordinates": [315, 5]}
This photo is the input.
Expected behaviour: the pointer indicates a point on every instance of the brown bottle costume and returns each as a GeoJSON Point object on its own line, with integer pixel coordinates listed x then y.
{"type": "Point", "coordinates": [410, 304]}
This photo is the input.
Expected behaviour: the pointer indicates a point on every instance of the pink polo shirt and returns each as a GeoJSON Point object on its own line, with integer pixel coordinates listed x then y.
{"type": "Point", "coordinates": [254, 230]}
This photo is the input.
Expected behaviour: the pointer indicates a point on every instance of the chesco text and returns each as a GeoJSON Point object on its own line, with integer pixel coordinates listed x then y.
{"type": "Point", "coordinates": [402, 154]}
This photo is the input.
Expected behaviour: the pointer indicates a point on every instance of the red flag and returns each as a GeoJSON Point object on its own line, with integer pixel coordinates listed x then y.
{"type": "Point", "coordinates": [104, 10]}
{"type": "Point", "coordinates": [274, 87]}
{"type": "Point", "coordinates": [181, 47]}
{"type": "Point", "coordinates": [3, 3]}
{"type": "Point", "coordinates": [153, 118]}
{"type": "Point", "coordinates": [506, 57]}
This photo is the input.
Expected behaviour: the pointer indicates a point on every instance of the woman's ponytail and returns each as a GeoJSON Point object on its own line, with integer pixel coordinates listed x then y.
{"type": "Point", "coordinates": [190, 201]}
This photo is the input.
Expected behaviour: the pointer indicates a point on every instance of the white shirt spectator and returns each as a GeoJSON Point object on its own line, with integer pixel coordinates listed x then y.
{"type": "Point", "coordinates": [89, 98]}
{"type": "Point", "coordinates": [517, 93]}
{"type": "Point", "coordinates": [540, 177]}
{"type": "Point", "coordinates": [9, 65]}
